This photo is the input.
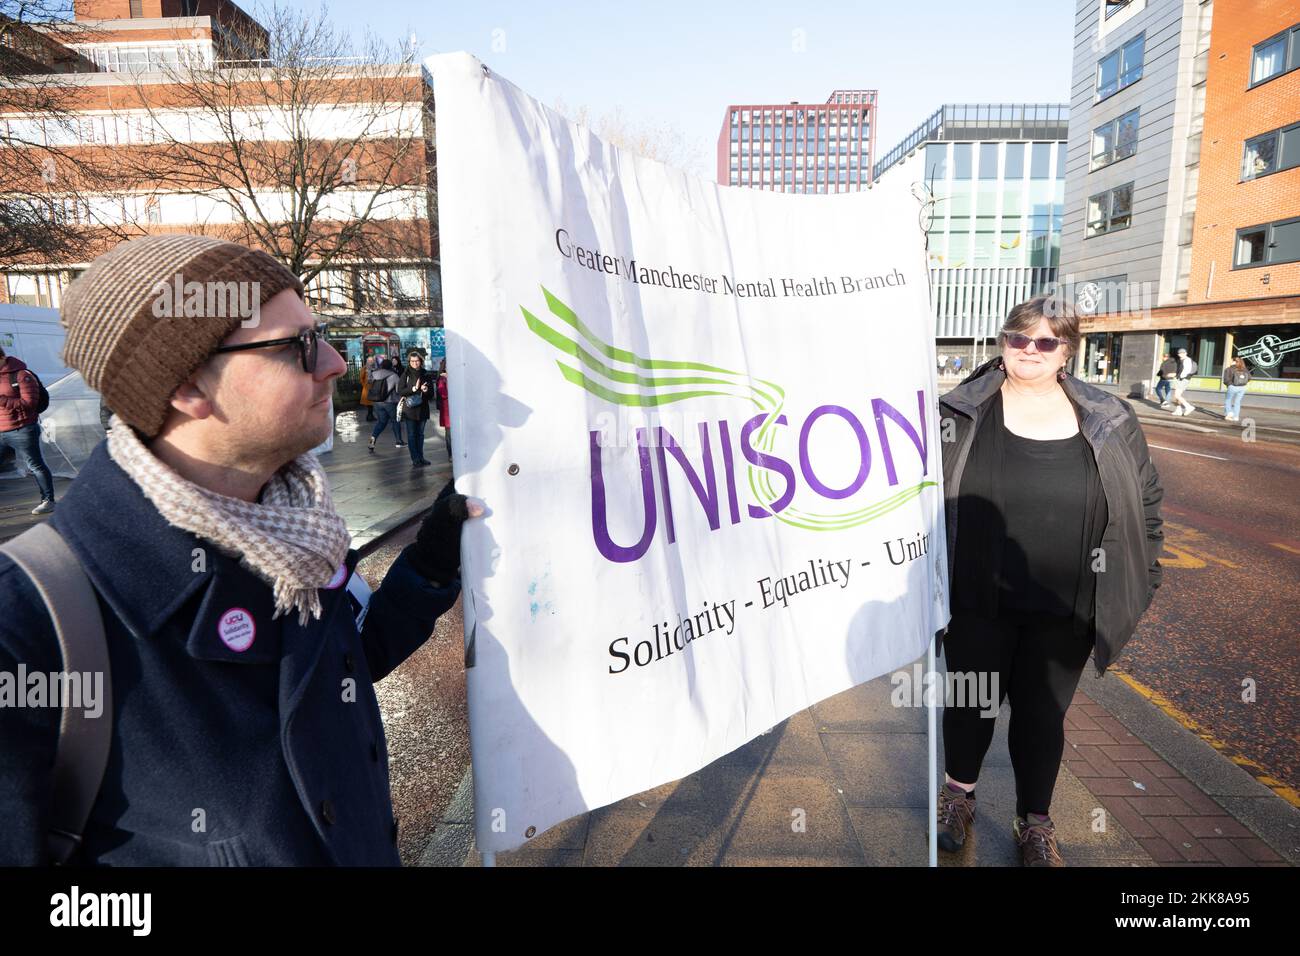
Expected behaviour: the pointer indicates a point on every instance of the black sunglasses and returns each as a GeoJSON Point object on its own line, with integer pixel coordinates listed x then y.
{"type": "Point", "coordinates": [1018, 340]}
{"type": "Point", "coordinates": [307, 340]}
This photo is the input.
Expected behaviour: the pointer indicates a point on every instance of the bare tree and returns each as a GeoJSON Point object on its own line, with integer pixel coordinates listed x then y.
{"type": "Point", "coordinates": [664, 142]}
{"type": "Point", "coordinates": [320, 152]}
{"type": "Point", "coordinates": [43, 213]}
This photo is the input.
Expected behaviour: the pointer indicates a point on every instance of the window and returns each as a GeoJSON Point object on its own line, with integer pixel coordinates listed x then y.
{"type": "Point", "coordinates": [1115, 6]}
{"type": "Point", "coordinates": [1275, 56]}
{"type": "Point", "coordinates": [1265, 361]}
{"type": "Point", "coordinates": [961, 160]}
{"type": "Point", "coordinates": [1110, 211]}
{"type": "Point", "coordinates": [1040, 160]}
{"type": "Point", "coordinates": [330, 289]}
{"type": "Point", "coordinates": [1115, 141]}
{"type": "Point", "coordinates": [988, 160]}
{"type": "Point", "coordinates": [34, 288]}
{"type": "Point", "coordinates": [1272, 152]}
{"type": "Point", "coordinates": [136, 11]}
{"type": "Point", "coordinates": [1267, 245]}
{"type": "Point", "coordinates": [1015, 162]}
{"type": "Point", "coordinates": [1121, 68]}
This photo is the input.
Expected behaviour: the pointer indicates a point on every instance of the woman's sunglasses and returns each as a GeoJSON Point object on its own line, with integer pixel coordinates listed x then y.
{"type": "Point", "coordinates": [308, 342]}
{"type": "Point", "coordinates": [1018, 340]}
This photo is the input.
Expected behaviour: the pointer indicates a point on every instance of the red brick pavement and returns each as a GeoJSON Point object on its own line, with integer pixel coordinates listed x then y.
{"type": "Point", "coordinates": [1172, 818]}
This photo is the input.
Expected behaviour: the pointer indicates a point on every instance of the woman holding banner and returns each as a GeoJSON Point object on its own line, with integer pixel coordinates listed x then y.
{"type": "Point", "coordinates": [1054, 537]}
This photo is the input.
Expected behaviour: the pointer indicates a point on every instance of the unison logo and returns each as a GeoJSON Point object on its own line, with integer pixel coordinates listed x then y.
{"type": "Point", "coordinates": [626, 379]}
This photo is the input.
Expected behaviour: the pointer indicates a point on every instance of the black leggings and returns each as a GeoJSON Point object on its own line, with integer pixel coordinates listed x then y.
{"type": "Point", "coordinates": [1038, 661]}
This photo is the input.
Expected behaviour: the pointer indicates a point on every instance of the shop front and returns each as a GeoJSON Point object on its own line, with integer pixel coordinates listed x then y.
{"type": "Point", "coordinates": [1264, 332]}
{"type": "Point", "coordinates": [1099, 358]}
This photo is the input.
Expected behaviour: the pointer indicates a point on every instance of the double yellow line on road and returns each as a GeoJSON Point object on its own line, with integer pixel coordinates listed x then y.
{"type": "Point", "coordinates": [1290, 794]}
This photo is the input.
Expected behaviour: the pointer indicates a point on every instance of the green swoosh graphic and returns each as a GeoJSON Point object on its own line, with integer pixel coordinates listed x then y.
{"type": "Point", "coordinates": [652, 391]}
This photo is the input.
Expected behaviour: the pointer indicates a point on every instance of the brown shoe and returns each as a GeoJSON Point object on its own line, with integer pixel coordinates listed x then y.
{"type": "Point", "coordinates": [1037, 843]}
{"type": "Point", "coordinates": [956, 817]}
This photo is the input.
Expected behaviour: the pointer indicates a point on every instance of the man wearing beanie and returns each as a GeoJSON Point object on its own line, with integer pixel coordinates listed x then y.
{"type": "Point", "coordinates": [241, 647]}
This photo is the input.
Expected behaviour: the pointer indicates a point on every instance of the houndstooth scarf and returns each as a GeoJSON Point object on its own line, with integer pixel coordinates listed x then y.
{"type": "Point", "coordinates": [292, 537]}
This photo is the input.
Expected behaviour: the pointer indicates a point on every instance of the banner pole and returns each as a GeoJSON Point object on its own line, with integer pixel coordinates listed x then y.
{"type": "Point", "coordinates": [932, 746]}
{"type": "Point", "coordinates": [925, 196]}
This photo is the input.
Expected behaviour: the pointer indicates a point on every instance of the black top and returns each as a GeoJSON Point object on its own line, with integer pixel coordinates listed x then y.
{"type": "Point", "coordinates": [1029, 515]}
{"type": "Point", "coordinates": [1046, 487]}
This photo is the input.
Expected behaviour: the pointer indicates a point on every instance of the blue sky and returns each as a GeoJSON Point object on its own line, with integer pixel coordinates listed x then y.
{"type": "Point", "coordinates": [681, 63]}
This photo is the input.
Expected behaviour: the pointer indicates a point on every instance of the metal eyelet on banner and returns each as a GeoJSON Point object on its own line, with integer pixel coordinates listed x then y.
{"type": "Point", "coordinates": [530, 832]}
{"type": "Point", "coordinates": [512, 470]}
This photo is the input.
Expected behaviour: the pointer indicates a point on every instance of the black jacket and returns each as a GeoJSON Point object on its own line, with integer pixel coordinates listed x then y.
{"type": "Point", "coordinates": [279, 744]}
{"type": "Point", "coordinates": [1134, 535]}
{"type": "Point", "coordinates": [410, 385]}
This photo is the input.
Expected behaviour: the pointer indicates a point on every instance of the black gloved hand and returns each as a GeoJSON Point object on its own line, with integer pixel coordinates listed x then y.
{"type": "Point", "coordinates": [435, 553]}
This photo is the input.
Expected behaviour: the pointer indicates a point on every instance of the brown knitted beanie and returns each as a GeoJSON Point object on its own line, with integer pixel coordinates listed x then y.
{"type": "Point", "coordinates": [148, 313]}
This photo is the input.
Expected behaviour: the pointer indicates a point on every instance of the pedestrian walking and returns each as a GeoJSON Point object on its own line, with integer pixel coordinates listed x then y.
{"type": "Point", "coordinates": [414, 397]}
{"type": "Point", "coordinates": [1101, 368]}
{"type": "Point", "coordinates": [444, 413]}
{"type": "Point", "coordinates": [1186, 369]}
{"type": "Point", "coordinates": [244, 649]}
{"type": "Point", "coordinates": [384, 383]}
{"type": "Point", "coordinates": [22, 399]}
{"type": "Point", "coordinates": [943, 363]}
{"type": "Point", "coordinates": [1236, 377]}
{"type": "Point", "coordinates": [367, 370]}
{"type": "Point", "coordinates": [956, 365]}
{"type": "Point", "coordinates": [1165, 376]}
{"type": "Point", "coordinates": [1040, 470]}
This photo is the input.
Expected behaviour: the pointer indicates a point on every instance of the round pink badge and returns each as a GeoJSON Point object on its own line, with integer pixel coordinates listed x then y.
{"type": "Point", "coordinates": [236, 629]}
{"type": "Point", "coordinates": [339, 577]}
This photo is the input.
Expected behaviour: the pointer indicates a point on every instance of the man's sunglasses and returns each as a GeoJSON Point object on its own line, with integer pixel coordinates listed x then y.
{"type": "Point", "coordinates": [308, 342]}
{"type": "Point", "coordinates": [1018, 340]}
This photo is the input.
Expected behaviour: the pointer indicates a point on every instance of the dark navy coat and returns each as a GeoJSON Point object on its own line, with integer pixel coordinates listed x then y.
{"type": "Point", "coordinates": [270, 755]}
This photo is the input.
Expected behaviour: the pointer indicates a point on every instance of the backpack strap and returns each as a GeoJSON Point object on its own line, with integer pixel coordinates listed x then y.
{"type": "Point", "coordinates": [84, 742]}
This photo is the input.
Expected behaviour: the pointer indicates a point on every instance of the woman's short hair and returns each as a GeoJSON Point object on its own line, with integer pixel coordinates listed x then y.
{"type": "Point", "coordinates": [1060, 315]}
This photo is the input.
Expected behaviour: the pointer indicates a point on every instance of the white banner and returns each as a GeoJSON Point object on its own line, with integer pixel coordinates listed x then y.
{"type": "Point", "coordinates": [703, 421]}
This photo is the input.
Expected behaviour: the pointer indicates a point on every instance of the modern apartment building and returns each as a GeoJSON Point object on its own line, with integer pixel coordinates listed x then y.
{"type": "Point", "coordinates": [1182, 224]}
{"type": "Point", "coordinates": [368, 125]}
{"type": "Point", "coordinates": [996, 174]}
{"type": "Point", "coordinates": [800, 147]}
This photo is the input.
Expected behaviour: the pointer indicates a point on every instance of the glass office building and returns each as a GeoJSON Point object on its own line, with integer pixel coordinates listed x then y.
{"type": "Point", "coordinates": [996, 173]}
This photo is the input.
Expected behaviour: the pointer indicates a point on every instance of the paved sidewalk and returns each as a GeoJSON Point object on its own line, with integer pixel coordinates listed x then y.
{"type": "Point", "coordinates": [374, 493]}
{"type": "Point", "coordinates": [1270, 423]}
{"type": "Point", "coordinates": [1136, 788]}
